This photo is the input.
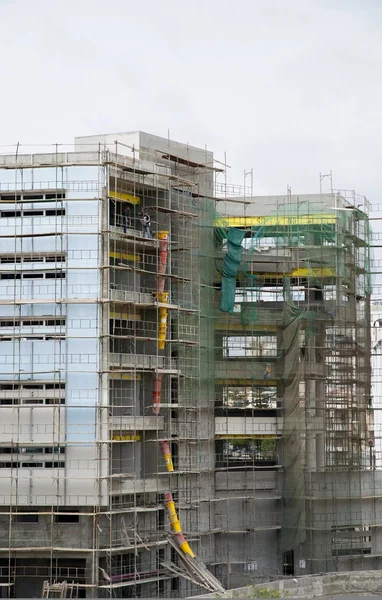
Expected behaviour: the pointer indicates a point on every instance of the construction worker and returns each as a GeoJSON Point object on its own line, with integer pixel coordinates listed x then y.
{"type": "Point", "coordinates": [146, 224]}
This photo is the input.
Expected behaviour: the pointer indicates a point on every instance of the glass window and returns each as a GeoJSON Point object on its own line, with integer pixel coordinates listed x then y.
{"type": "Point", "coordinates": [246, 346]}
{"type": "Point", "coordinates": [250, 397]}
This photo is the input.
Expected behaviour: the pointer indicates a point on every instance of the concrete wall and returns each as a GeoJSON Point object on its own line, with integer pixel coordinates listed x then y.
{"type": "Point", "coordinates": [107, 141]}
{"type": "Point", "coordinates": [353, 583]}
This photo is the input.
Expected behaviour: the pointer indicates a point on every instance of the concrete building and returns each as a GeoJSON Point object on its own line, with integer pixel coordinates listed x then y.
{"type": "Point", "coordinates": [185, 400]}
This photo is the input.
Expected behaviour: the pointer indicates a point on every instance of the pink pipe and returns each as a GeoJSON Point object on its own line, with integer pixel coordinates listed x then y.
{"type": "Point", "coordinates": [157, 388]}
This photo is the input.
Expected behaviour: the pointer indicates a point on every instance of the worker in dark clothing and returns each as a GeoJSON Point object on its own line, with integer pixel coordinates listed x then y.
{"type": "Point", "coordinates": [125, 217]}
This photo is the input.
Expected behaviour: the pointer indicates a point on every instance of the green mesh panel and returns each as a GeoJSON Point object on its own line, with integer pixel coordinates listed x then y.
{"type": "Point", "coordinates": [231, 266]}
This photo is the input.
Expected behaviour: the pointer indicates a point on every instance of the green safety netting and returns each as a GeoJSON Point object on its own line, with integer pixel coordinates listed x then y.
{"type": "Point", "coordinates": [231, 264]}
{"type": "Point", "coordinates": [323, 254]}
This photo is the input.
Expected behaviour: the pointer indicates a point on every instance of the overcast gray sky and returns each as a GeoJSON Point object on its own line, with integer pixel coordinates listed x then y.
{"type": "Point", "coordinates": [288, 87]}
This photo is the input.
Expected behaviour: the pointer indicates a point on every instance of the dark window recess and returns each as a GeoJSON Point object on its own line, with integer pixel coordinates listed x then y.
{"type": "Point", "coordinates": [10, 197]}
{"type": "Point", "coordinates": [16, 214]}
{"type": "Point", "coordinates": [31, 259]}
{"type": "Point", "coordinates": [289, 562]}
{"type": "Point", "coordinates": [55, 401]}
{"type": "Point", "coordinates": [55, 386]}
{"type": "Point", "coordinates": [10, 214]}
{"type": "Point", "coordinates": [32, 465]}
{"type": "Point", "coordinates": [175, 584]}
{"type": "Point", "coordinates": [67, 517]}
{"type": "Point", "coordinates": [10, 275]}
{"type": "Point", "coordinates": [24, 518]}
{"type": "Point", "coordinates": [32, 386]}
{"type": "Point", "coordinates": [160, 520]}
{"type": "Point", "coordinates": [34, 323]}
{"type": "Point", "coordinates": [351, 551]}
{"type": "Point", "coordinates": [32, 401]}
{"type": "Point", "coordinates": [55, 275]}
{"type": "Point", "coordinates": [33, 275]}
{"type": "Point", "coordinates": [57, 465]}
{"type": "Point", "coordinates": [31, 450]}
{"type": "Point", "coordinates": [174, 453]}
{"type": "Point", "coordinates": [53, 196]}
{"type": "Point", "coordinates": [161, 555]}
{"type": "Point", "coordinates": [55, 212]}
{"type": "Point", "coordinates": [33, 196]}
{"type": "Point", "coordinates": [46, 401]}
{"type": "Point", "coordinates": [50, 258]}
{"type": "Point", "coordinates": [175, 560]}
{"type": "Point", "coordinates": [161, 586]}
{"type": "Point", "coordinates": [55, 258]}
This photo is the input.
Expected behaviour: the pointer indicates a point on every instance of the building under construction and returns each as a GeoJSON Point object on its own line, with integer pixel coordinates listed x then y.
{"type": "Point", "coordinates": [185, 381]}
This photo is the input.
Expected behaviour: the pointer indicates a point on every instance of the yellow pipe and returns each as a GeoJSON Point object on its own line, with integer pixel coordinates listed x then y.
{"type": "Point", "coordinates": [168, 462]}
{"type": "Point", "coordinates": [173, 518]}
{"type": "Point", "coordinates": [162, 329]}
{"type": "Point", "coordinates": [176, 526]}
{"type": "Point", "coordinates": [163, 297]}
{"type": "Point", "coordinates": [185, 548]}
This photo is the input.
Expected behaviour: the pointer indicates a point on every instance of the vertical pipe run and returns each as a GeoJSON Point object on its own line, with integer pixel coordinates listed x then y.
{"type": "Point", "coordinates": [162, 296]}
{"type": "Point", "coordinates": [176, 526]}
{"type": "Point", "coordinates": [164, 445]}
{"type": "Point", "coordinates": [157, 388]}
{"type": "Point", "coordinates": [162, 330]}
{"type": "Point", "coordinates": [163, 245]}
{"type": "Point", "coordinates": [166, 453]}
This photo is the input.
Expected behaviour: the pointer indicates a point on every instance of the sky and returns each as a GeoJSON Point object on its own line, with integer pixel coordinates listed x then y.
{"type": "Point", "coordinates": [290, 88]}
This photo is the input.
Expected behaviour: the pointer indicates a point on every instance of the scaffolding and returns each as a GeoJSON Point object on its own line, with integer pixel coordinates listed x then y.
{"type": "Point", "coordinates": [185, 405]}
{"type": "Point", "coordinates": [294, 348]}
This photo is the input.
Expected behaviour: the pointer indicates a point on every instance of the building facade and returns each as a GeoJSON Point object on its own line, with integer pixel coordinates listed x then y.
{"type": "Point", "coordinates": [183, 398]}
